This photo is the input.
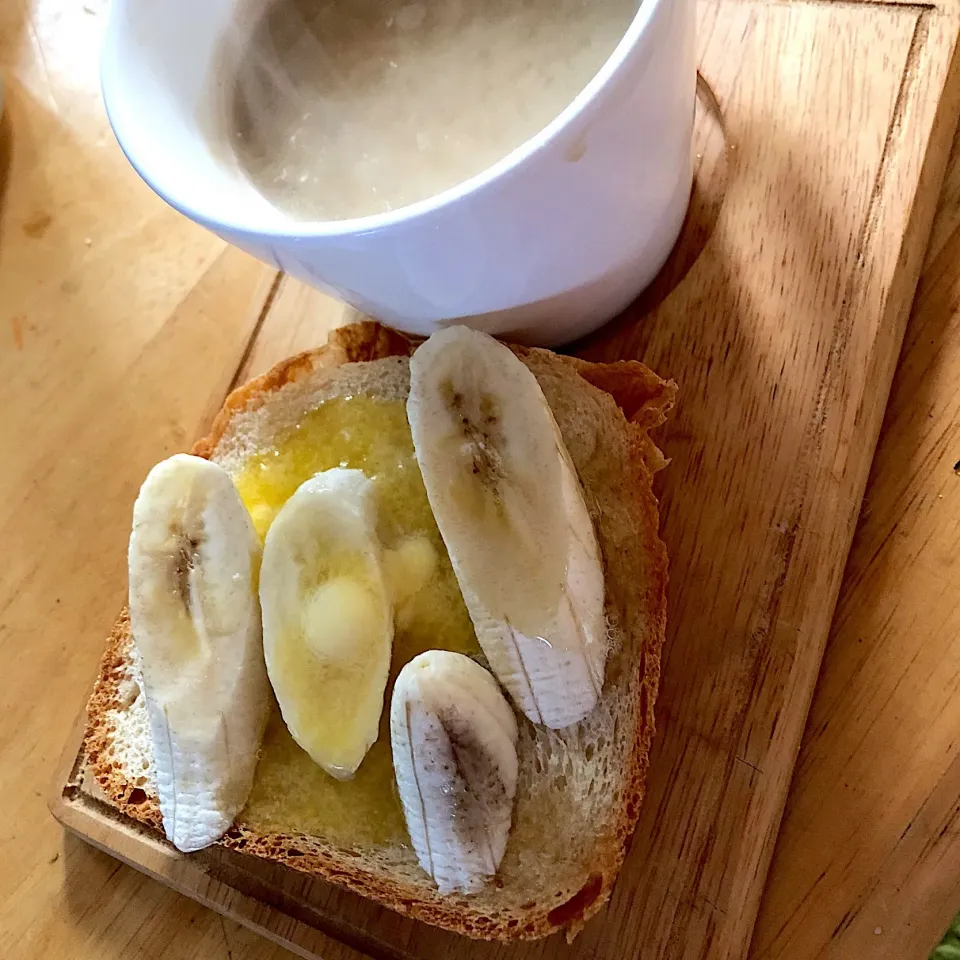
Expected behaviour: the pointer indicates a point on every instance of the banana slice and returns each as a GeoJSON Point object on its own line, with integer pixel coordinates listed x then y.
{"type": "Point", "coordinates": [327, 618]}
{"type": "Point", "coordinates": [193, 561]}
{"type": "Point", "coordinates": [510, 508]}
{"type": "Point", "coordinates": [454, 742]}
{"type": "Point", "coordinates": [484, 439]}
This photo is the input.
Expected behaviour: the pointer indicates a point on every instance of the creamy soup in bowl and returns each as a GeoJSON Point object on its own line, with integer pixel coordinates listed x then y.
{"type": "Point", "coordinates": [538, 225]}
{"type": "Point", "coordinates": [346, 108]}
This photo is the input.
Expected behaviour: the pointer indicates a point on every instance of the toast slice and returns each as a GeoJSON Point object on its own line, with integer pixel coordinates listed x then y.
{"type": "Point", "coordinates": [580, 788]}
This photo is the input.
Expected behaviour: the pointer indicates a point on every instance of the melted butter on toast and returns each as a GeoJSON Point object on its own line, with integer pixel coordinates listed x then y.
{"type": "Point", "coordinates": [291, 794]}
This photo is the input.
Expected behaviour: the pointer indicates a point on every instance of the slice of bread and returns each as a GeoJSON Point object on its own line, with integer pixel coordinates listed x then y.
{"type": "Point", "coordinates": [580, 788]}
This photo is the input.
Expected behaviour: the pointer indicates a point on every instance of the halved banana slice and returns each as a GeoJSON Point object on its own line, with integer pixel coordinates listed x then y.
{"type": "Point", "coordinates": [556, 676]}
{"type": "Point", "coordinates": [484, 439]}
{"type": "Point", "coordinates": [327, 618]}
{"type": "Point", "coordinates": [510, 508]}
{"type": "Point", "coordinates": [193, 562]}
{"type": "Point", "coordinates": [454, 742]}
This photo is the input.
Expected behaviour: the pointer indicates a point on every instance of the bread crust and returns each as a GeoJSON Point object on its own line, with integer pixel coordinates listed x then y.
{"type": "Point", "coordinates": [640, 402]}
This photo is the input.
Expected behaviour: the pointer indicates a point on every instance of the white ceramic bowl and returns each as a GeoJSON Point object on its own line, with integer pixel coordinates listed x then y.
{"type": "Point", "coordinates": [545, 245]}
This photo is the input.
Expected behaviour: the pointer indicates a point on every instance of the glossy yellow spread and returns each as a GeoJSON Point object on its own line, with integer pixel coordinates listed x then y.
{"type": "Point", "coordinates": [291, 794]}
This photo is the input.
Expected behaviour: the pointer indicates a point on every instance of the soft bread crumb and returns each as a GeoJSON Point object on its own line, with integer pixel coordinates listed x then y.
{"type": "Point", "coordinates": [255, 429]}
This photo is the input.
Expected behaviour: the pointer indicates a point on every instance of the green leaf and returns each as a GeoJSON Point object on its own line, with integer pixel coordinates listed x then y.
{"type": "Point", "coordinates": [949, 948]}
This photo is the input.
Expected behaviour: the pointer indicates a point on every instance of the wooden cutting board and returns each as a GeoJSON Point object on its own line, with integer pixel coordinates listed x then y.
{"type": "Point", "coordinates": [822, 135]}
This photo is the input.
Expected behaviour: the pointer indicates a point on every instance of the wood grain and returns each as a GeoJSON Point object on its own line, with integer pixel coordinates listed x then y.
{"type": "Point", "coordinates": [784, 334]}
{"type": "Point", "coordinates": [874, 871]}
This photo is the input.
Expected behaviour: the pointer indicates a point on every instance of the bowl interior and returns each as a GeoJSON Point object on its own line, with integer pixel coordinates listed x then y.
{"type": "Point", "coordinates": [163, 68]}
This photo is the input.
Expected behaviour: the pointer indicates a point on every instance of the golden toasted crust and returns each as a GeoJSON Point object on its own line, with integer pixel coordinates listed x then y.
{"type": "Point", "coordinates": [643, 400]}
{"type": "Point", "coordinates": [114, 689]}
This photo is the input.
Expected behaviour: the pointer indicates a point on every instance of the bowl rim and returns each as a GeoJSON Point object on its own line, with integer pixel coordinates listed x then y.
{"type": "Point", "coordinates": [321, 229]}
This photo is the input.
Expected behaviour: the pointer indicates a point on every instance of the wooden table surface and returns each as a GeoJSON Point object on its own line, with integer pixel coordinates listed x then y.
{"type": "Point", "coordinates": [111, 306]}
{"type": "Point", "coordinates": [867, 864]}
